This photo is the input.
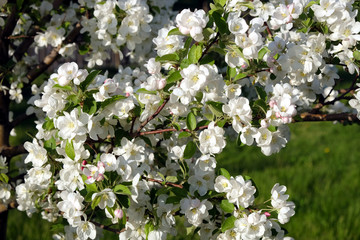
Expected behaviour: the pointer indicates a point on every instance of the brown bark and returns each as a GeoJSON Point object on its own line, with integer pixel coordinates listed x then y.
{"type": "Point", "coordinates": [4, 142]}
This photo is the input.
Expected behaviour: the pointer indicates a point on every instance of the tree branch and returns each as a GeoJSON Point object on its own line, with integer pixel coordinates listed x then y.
{"type": "Point", "coordinates": [54, 54]}
{"type": "Point", "coordinates": [20, 119]}
{"type": "Point", "coordinates": [341, 117]}
{"type": "Point", "coordinates": [108, 228]}
{"type": "Point", "coordinates": [12, 151]}
{"type": "Point", "coordinates": [164, 183]}
{"type": "Point", "coordinates": [150, 118]}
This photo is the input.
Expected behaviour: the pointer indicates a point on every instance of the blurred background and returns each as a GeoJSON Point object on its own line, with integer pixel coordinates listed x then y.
{"type": "Point", "coordinates": [320, 167]}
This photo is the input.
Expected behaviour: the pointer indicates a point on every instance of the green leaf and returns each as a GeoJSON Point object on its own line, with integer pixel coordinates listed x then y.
{"type": "Point", "coordinates": [64, 88]}
{"type": "Point", "coordinates": [122, 189]}
{"type": "Point", "coordinates": [249, 5]}
{"type": "Point", "coordinates": [177, 126]}
{"type": "Point", "coordinates": [149, 227]}
{"type": "Point", "coordinates": [90, 106]}
{"type": "Point", "coordinates": [19, 4]}
{"type": "Point", "coordinates": [207, 32]}
{"type": "Point", "coordinates": [221, 123]}
{"type": "Point", "coordinates": [240, 76]}
{"type": "Point", "coordinates": [4, 178]}
{"type": "Point", "coordinates": [221, 2]}
{"type": "Point", "coordinates": [69, 149]}
{"type": "Point", "coordinates": [168, 57]}
{"type": "Point", "coordinates": [88, 80]}
{"type": "Point", "coordinates": [172, 179]}
{"type": "Point", "coordinates": [215, 108]}
{"type": "Point", "coordinates": [261, 104]}
{"type": "Point", "coordinates": [185, 63]}
{"type": "Point", "coordinates": [143, 90]}
{"type": "Point", "coordinates": [83, 49]}
{"type": "Point", "coordinates": [195, 53]}
{"type": "Point", "coordinates": [231, 72]}
{"type": "Point", "coordinates": [95, 202]}
{"type": "Point", "coordinates": [220, 23]}
{"type": "Point", "coordinates": [190, 150]}
{"type": "Point", "coordinates": [173, 199]}
{"type": "Point", "coordinates": [51, 143]}
{"type": "Point", "coordinates": [226, 206]}
{"type": "Point", "coordinates": [174, 31]}
{"type": "Point", "coordinates": [191, 121]}
{"type": "Point", "coordinates": [262, 53]}
{"type": "Point", "coordinates": [89, 196]}
{"type": "Point", "coordinates": [310, 4]}
{"type": "Point", "coordinates": [238, 140]}
{"type": "Point", "coordinates": [124, 201]}
{"type": "Point", "coordinates": [48, 125]}
{"type": "Point", "coordinates": [261, 93]}
{"type": "Point", "coordinates": [228, 223]}
{"type": "Point", "coordinates": [207, 60]}
{"type": "Point", "coordinates": [174, 77]}
{"type": "Point", "coordinates": [356, 55]}
{"type": "Point", "coordinates": [225, 173]}
{"type": "Point", "coordinates": [184, 135]}
{"type": "Point", "coordinates": [112, 100]}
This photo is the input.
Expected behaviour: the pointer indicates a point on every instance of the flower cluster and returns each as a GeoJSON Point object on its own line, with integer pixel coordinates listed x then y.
{"type": "Point", "coordinates": [134, 149]}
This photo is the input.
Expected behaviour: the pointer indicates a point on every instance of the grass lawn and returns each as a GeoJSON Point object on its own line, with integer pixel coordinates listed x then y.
{"type": "Point", "coordinates": [320, 167]}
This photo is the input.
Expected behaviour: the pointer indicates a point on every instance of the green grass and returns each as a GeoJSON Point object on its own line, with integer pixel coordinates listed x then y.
{"type": "Point", "coordinates": [320, 167]}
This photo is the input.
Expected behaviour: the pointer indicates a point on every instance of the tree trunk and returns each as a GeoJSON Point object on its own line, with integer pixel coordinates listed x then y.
{"type": "Point", "coordinates": [4, 142]}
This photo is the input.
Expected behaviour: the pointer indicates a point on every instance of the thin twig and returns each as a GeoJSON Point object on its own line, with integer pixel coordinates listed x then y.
{"type": "Point", "coordinates": [164, 183]}
{"type": "Point", "coordinates": [108, 228]}
{"type": "Point", "coordinates": [150, 118]}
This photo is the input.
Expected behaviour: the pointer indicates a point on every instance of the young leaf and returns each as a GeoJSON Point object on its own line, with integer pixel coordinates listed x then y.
{"type": "Point", "coordinates": [195, 53]}
{"type": "Point", "coordinates": [191, 121]}
{"type": "Point", "coordinates": [184, 135]}
{"type": "Point", "coordinates": [88, 80]}
{"type": "Point", "coordinates": [190, 150]}
{"type": "Point", "coordinates": [69, 150]}
{"type": "Point", "coordinates": [262, 53]}
{"type": "Point", "coordinates": [64, 88]}
{"type": "Point", "coordinates": [168, 57]}
{"type": "Point", "coordinates": [143, 90]}
{"type": "Point", "coordinates": [356, 55]}
{"type": "Point", "coordinates": [221, 23]}
{"type": "Point", "coordinates": [122, 189]}
{"type": "Point", "coordinates": [90, 106]}
{"type": "Point", "coordinates": [215, 108]}
{"type": "Point", "coordinates": [225, 173]}
{"type": "Point", "coordinates": [174, 77]}
{"type": "Point", "coordinates": [95, 202]}
{"type": "Point", "coordinates": [261, 93]}
{"type": "Point", "coordinates": [175, 31]}
{"type": "Point", "coordinates": [4, 178]}
{"type": "Point", "coordinates": [111, 100]}
{"type": "Point", "coordinates": [226, 206]}
{"type": "Point", "coordinates": [228, 223]}
{"type": "Point", "coordinates": [240, 76]}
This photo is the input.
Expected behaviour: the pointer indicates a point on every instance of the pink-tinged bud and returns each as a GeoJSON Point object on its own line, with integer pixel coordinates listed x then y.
{"type": "Point", "coordinates": [243, 66]}
{"type": "Point", "coordinates": [84, 162]}
{"type": "Point", "coordinates": [127, 94]}
{"type": "Point", "coordinates": [278, 115]}
{"type": "Point", "coordinates": [161, 83]}
{"type": "Point", "coordinates": [267, 214]}
{"type": "Point", "coordinates": [101, 165]}
{"type": "Point", "coordinates": [264, 123]}
{"type": "Point", "coordinates": [100, 177]}
{"type": "Point", "coordinates": [118, 213]}
{"type": "Point", "coordinates": [88, 177]}
{"type": "Point", "coordinates": [272, 103]}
